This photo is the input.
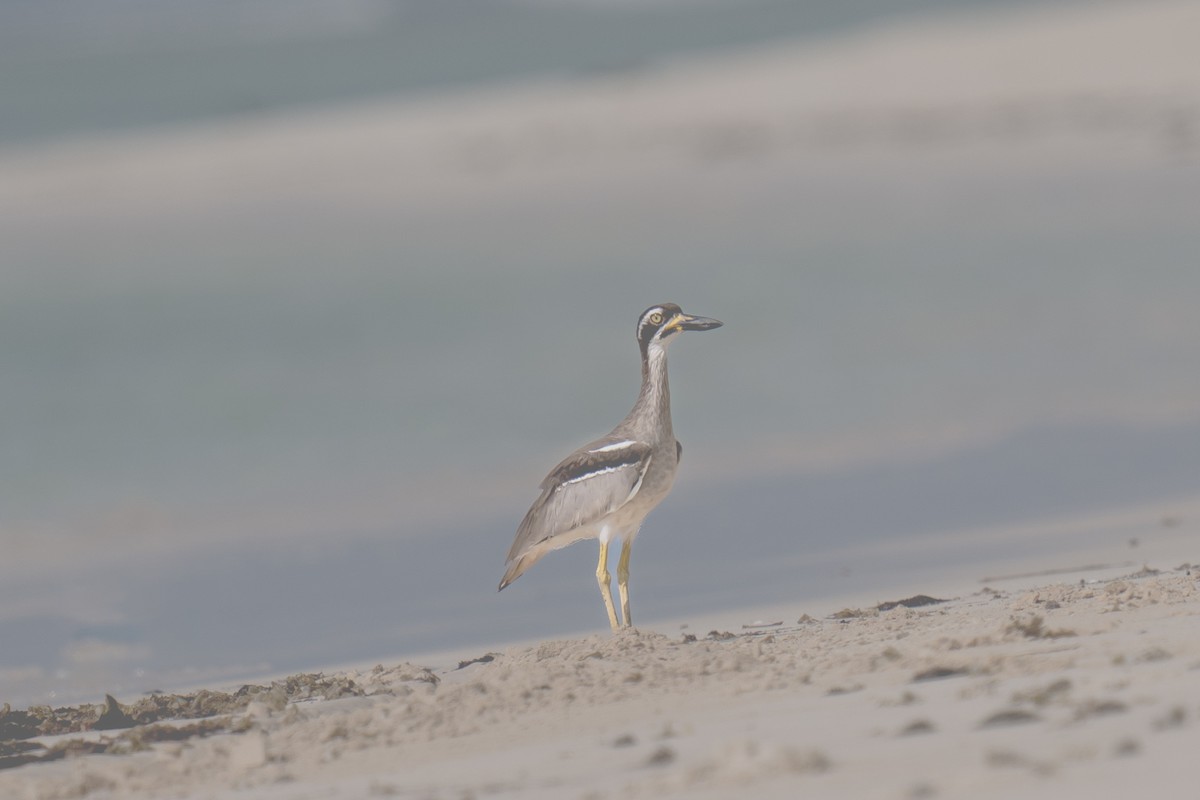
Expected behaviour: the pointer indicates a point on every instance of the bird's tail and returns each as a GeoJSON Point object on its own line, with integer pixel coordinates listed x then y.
{"type": "Point", "coordinates": [515, 568]}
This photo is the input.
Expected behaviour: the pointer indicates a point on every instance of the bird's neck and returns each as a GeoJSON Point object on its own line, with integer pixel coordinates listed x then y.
{"type": "Point", "coordinates": [653, 406]}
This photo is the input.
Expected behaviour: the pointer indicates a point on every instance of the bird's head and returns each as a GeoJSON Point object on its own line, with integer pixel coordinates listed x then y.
{"type": "Point", "coordinates": [660, 323]}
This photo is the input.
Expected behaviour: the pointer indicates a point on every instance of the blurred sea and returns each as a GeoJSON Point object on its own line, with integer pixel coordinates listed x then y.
{"type": "Point", "coordinates": [274, 437]}
{"type": "Point", "coordinates": [76, 66]}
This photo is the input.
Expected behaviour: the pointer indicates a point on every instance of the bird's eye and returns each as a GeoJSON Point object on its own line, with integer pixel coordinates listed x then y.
{"type": "Point", "coordinates": [656, 318]}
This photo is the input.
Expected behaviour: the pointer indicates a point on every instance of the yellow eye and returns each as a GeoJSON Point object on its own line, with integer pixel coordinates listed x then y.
{"type": "Point", "coordinates": [656, 318]}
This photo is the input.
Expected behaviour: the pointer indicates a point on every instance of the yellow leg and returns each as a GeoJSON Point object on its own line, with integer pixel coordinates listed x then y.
{"type": "Point", "coordinates": [602, 578]}
{"type": "Point", "coordinates": [623, 580]}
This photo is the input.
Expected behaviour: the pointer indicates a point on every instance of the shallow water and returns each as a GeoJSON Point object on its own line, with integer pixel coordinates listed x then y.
{"type": "Point", "coordinates": [112, 65]}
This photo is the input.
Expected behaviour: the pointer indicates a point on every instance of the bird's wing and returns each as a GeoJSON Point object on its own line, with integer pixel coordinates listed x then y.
{"type": "Point", "coordinates": [592, 482]}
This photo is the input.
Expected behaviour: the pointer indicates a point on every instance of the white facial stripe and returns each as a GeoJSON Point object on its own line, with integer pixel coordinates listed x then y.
{"type": "Point", "coordinates": [614, 446]}
{"type": "Point", "coordinates": [646, 319]}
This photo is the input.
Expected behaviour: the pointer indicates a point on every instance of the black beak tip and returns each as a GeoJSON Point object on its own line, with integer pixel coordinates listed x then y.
{"type": "Point", "coordinates": [702, 324]}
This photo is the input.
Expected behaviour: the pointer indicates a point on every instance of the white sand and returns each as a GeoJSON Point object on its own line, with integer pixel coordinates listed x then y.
{"type": "Point", "coordinates": [1061, 692]}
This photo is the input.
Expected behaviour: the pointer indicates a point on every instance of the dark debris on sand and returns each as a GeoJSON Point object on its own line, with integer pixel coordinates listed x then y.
{"type": "Point", "coordinates": [137, 719]}
{"type": "Point", "coordinates": [916, 601]}
{"type": "Point", "coordinates": [484, 659]}
{"type": "Point", "coordinates": [938, 673]}
{"type": "Point", "coordinates": [15, 754]}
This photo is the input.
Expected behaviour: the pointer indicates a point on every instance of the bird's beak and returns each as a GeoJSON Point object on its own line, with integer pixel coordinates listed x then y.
{"type": "Point", "coordinates": [686, 322]}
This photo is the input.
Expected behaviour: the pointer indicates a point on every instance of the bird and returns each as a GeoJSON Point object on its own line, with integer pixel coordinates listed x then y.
{"type": "Point", "coordinates": [605, 489]}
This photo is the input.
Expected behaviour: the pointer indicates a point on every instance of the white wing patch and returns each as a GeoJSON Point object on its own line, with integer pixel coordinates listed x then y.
{"type": "Point", "coordinates": [588, 476]}
{"type": "Point", "coordinates": [637, 487]}
{"type": "Point", "coordinates": [580, 492]}
{"type": "Point", "coordinates": [608, 448]}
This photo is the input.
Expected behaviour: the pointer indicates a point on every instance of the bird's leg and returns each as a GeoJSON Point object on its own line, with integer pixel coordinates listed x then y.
{"type": "Point", "coordinates": [602, 578]}
{"type": "Point", "coordinates": [623, 580]}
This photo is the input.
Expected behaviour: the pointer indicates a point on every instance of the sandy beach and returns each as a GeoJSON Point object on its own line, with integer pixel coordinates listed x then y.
{"type": "Point", "coordinates": [1083, 689]}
